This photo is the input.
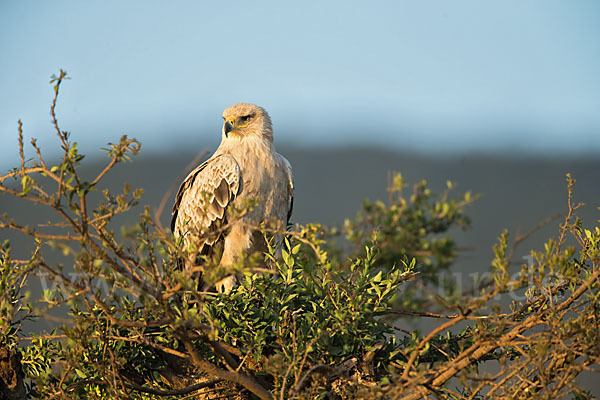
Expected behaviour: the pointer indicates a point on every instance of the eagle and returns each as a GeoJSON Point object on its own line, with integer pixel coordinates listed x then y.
{"type": "Point", "coordinates": [245, 168]}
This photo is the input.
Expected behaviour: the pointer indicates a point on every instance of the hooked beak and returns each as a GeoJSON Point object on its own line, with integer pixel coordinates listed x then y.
{"type": "Point", "coordinates": [227, 127]}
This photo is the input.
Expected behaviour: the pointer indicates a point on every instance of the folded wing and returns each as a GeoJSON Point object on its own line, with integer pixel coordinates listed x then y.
{"type": "Point", "coordinates": [200, 208]}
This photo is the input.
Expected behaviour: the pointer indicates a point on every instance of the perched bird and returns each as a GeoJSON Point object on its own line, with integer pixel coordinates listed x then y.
{"type": "Point", "coordinates": [244, 167]}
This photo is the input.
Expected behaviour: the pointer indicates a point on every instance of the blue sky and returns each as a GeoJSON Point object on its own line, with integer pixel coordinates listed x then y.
{"type": "Point", "coordinates": [441, 76]}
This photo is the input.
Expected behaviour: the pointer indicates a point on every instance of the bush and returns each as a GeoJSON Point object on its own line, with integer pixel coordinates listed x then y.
{"type": "Point", "coordinates": [321, 323]}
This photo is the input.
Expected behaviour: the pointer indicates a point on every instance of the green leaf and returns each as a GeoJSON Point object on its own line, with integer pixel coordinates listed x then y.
{"type": "Point", "coordinates": [377, 278]}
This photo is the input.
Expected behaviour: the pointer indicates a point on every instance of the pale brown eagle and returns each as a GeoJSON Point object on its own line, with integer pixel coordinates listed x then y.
{"type": "Point", "coordinates": [245, 166]}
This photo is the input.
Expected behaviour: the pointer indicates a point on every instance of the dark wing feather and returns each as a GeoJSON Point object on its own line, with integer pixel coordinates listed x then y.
{"type": "Point", "coordinates": [288, 169]}
{"type": "Point", "coordinates": [202, 200]}
{"type": "Point", "coordinates": [289, 214]}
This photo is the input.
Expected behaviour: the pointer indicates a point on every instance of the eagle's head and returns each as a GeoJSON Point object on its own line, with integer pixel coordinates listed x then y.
{"type": "Point", "coordinates": [245, 120]}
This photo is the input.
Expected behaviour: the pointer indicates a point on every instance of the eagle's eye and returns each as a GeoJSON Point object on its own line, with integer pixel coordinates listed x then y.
{"type": "Point", "coordinates": [245, 118]}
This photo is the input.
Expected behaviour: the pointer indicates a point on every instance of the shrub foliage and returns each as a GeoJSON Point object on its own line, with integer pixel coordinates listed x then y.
{"type": "Point", "coordinates": [319, 322]}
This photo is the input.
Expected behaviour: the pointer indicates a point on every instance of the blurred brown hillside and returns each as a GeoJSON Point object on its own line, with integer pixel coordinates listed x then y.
{"type": "Point", "coordinates": [330, 184]}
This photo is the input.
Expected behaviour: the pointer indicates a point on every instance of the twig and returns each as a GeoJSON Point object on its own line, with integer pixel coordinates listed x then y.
{"type": "Point", "coordinates": [307, 374]}
{"type": "Point", "coordinates": [237, 377]}
{"type": "Point", "coordinates": [415, 352]}
{"type": "Point", "coordinates": [124, 146]}
{"type": "Point", "coordinates": [174, 392]}
{"type": "Point", "coordinates": [519, 238]}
